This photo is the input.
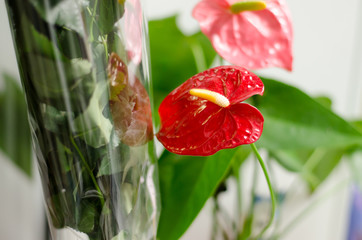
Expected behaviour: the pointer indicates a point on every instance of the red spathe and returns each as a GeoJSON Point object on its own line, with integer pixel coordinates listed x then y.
{"type": "Point", "coordinates": [194, 126]}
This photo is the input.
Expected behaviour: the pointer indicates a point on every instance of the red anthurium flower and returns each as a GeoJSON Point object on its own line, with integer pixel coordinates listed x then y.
{"type": "Point", "coordinates": [206, 114]}
{"type": "Point", "coordinates": [254, 34]}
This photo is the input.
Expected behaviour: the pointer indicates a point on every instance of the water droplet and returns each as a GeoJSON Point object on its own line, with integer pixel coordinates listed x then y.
{"type": "Point", "coordinates": [277, 46]}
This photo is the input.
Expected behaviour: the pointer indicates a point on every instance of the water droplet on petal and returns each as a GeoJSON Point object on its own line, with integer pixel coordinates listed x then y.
{"type": "Point", "coordinates": [272, 51]}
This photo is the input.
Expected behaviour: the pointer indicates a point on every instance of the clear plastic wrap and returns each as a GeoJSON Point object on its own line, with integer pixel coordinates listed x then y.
{"type": "Point", "coordinates": [84, 69]}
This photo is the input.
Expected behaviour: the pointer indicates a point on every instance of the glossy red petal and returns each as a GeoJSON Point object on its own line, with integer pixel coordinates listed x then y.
{"type": "Point", "coordinates": [254, 39]}
{"type": "Point", "coordinates": [195, 126]}
{"type": "Point", "coordinates": [249, 125]}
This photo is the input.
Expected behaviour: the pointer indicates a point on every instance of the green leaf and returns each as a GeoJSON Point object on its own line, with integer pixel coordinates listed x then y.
{"type": "Point", "coordinates": [358, 125]}
{"type": "Point", "coordinates": [186, 183]}
{"type": "Point", "coordinates": [292, 160]}
{"type": "Point", "coordinates": [174, 56]}
{"type": "Point", "coordinates": [293, 120]}
{"type": "Point", "coordinates": [15, 139]}
{"type": "Point", "coordinates": [45, 21]}
{"type": "Point", "coordinates": [328, 160]}
{"type": "Point", "coordinates": [91, 125]}
{"type": "Point", "coordinates": [54, 80]}
{"type": "Point", "coordinates": [87, 221]}
{"type": "Point", "coordinates": [53, 118]}
{"type": "Point", "coordinates": [324, 101]}
{"type": "Point", "coordinates": [314, 166]}
{"type": "Point", "coordinates": [111, 163]}
{"type": "Point", "coordinates": [110, 11]}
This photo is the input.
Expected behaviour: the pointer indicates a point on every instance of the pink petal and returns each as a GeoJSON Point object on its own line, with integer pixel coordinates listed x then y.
{"type": "Point", "coordinates": [254, 39]}
{"type": "Point", "coordinates": [133, 30]}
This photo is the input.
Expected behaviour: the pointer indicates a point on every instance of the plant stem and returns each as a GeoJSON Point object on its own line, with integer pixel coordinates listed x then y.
{"type": "Point", "coordinates": [199, 56]}
{"type": "Point", "coordinates": [239, 201]}
{"type": "Point", "coordinates": [247, 226]}
{"type": "Point", "coordinates": [93, 14]}
{"type": "Point", "coordinates": [272, 195]}
{"type": "Point", "coordinates": [214, 220]}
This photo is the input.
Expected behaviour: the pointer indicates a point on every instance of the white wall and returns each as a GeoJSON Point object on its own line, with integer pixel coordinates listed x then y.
{"type": "Point", "coordinates": [328, 60]}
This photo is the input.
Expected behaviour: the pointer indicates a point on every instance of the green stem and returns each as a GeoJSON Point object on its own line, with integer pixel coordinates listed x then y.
{"type": "Point", "coordinates": [247, 226]}
{"type": "Point", "coordinates": [93, 14]}
{"type": "Point", "coordinates": [272, 195]}
{"type": "Point", "coordinates": [214, 220]}
{"type": "Point", "coordinates": [104, 42]}
{"type": "Point", "coordinates": [88, 169]}
{"type": "Point", "coordinates": [221, 60]}
{"type": "Point", "coordinates": [239, 201]}
{"type": "Point", "coordinates": [199, 57]}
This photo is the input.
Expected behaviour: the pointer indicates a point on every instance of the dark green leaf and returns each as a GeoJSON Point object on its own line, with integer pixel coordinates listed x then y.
{"type": "Point", "coordinates": [53, 78]}
{"type": "Point", "coordinates": [186, 183]}
{"type": "Point", "coordinates": [293, 120]}
{"type": "Point", "coordinates": [15, 140]}
{"type": "Point", "coordinates": [174, 56]}
{"type": "Point", "coordinates": [110, 11]}
{"type": "Point", "coordinates": [63, 35]}
{"type": "Point", "coordinates": [88, 214]}
{"type": "Point", "coordinates": [53, 118]}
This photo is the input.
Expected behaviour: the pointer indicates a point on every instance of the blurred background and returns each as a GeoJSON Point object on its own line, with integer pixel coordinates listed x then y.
{"type": "Point", "coordinates": [327, 61]}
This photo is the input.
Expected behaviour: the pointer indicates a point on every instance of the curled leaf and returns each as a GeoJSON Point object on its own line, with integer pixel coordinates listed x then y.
{"type": "Point", "coordinates": [129, 104]}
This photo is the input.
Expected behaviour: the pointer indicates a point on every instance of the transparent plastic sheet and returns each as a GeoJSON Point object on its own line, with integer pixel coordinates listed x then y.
{"type": "Point", "coordinates": [84, 69]}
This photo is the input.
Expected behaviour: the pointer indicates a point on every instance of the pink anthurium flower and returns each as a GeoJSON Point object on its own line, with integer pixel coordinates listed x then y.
{"type": "Point", "coordinates": [206, 114]}
{"type": "Point", "coordinates": [254, 34]}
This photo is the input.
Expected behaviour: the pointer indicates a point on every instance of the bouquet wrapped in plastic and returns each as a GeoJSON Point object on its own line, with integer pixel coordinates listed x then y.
{"type": "Point", "coordinates": [84, 69]}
